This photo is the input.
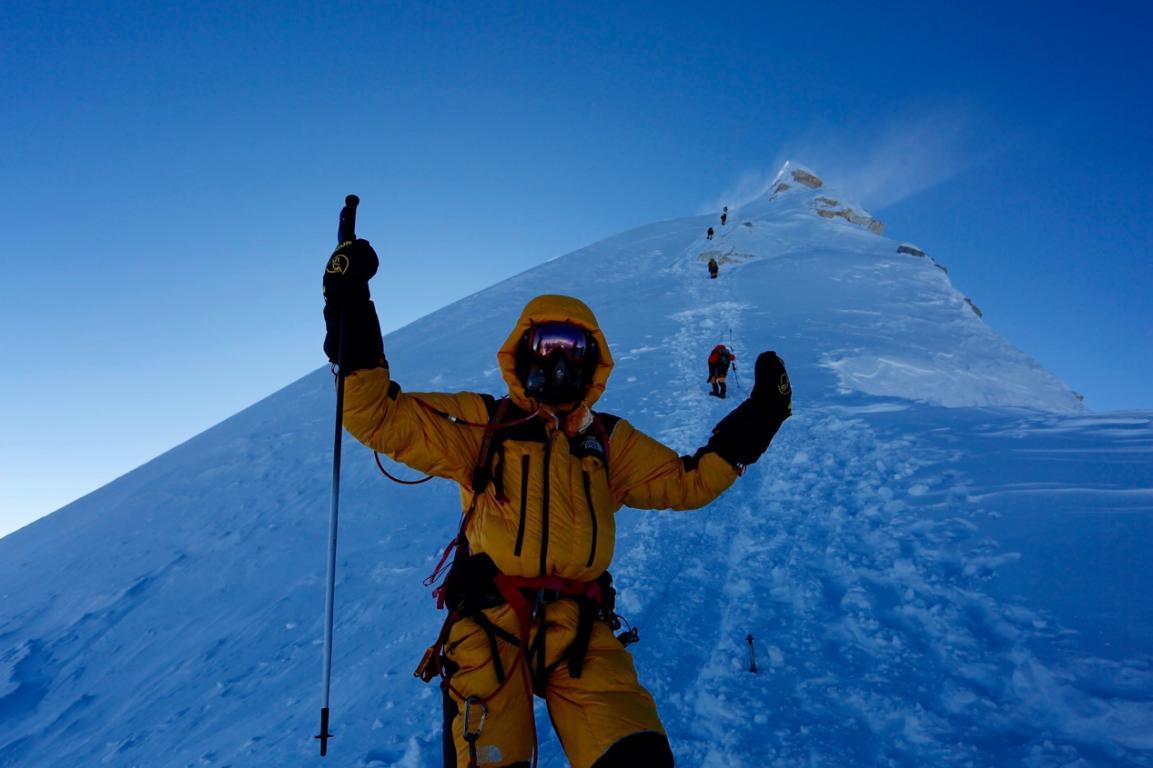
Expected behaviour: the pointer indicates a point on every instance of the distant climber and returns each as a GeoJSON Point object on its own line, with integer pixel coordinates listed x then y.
{"type": "Point", "coordinates": [709, 234]}
{"type": "Point", "coordinates": [719, 360]}
{"type": "Point", "coordinates": [713, 268]}
{"type": "Point", "coordinates": [724, 215]}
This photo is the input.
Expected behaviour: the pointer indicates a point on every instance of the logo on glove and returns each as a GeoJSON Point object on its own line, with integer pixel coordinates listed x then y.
{"type": "Point", "coordinates": [337, 265]}
{"type": "Point", "coordinates": [783, 386]}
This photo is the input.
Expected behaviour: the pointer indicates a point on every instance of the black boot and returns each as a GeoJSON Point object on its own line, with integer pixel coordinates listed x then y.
{"type": "Point", "coordinates": [648, 749]}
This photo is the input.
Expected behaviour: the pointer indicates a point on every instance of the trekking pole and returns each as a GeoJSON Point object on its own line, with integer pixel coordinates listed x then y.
{"type": "Point", "coordinates": [345, 232]}
{"type": "Point", "coordinates": [736, 373]}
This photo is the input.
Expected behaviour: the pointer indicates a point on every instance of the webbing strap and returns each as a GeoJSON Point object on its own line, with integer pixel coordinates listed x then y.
{"type": "Point", "coordinates": [603, 434]}
{"type": "Point", "coordinates": [480, 481]}
{"type": "Point", "coordinates": [481, 475]}
{"type": "Point", "coordinates": [493, 632]}
{"type": "Point", "coordinates": [512, 588]}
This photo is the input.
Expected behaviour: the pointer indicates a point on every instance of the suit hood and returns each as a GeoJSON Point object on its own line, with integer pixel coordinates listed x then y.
{"type": "Point", "coordinates": [554, 308]}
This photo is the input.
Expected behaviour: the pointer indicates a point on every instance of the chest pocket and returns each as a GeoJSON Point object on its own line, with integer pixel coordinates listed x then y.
{"type": "Point", "coordinates": [517, 470]}
{"type": "Point", "coordinates": [591, 449]}
{"type": "Point", "coordinates": [521, 468]}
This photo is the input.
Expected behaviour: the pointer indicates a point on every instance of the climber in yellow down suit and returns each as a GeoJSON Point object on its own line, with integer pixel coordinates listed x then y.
{"type": "Point", "coordinates": [542, 475]}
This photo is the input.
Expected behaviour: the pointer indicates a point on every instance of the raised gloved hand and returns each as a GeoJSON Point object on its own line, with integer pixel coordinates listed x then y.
{"type": "Point", "coordinates": [352, 341]}
{"type": "Point", "coordinates": [741, 437]}
{"type": "Point", "coordinates": [771, 386]}
{"type": "Point", "coordinates": [348, 271]}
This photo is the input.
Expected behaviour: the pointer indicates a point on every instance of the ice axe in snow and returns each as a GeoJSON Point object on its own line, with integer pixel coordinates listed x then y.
{"type": "Point", "coordinates": [346, 231]}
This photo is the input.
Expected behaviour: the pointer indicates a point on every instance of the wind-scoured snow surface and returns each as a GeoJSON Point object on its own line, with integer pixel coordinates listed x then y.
{"type": "Point", "coordinates": [944, 559]}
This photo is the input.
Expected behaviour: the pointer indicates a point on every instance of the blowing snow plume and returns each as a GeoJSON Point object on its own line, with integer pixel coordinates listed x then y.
{"type": "Point", "coordinates": [910, 153]}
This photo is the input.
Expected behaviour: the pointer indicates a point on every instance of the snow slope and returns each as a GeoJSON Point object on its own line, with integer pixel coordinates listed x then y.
{"type": "Point", "coordinates": [943, 558]}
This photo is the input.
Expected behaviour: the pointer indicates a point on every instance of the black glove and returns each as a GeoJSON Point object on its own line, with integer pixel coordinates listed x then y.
{"type": "Point", "coordinates": [771, 385]}
{"type": "Point", "coordinates": [741, 437]}
{"type": "Point", "coordinates": [349, 269]}
{"type": "Point", "coordinates": [352, 341]}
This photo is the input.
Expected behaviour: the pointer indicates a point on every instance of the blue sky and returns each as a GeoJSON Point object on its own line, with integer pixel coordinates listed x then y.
{"type": "Point", "coordinates": [171, 175]}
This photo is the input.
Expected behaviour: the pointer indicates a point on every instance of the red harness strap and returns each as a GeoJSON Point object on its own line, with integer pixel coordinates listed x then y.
{"type": "Point", "coordinates": [512, 589]}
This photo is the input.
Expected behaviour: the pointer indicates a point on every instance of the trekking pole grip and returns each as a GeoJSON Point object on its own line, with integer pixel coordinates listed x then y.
{"type": "Point", "coordinates": [346, 230]}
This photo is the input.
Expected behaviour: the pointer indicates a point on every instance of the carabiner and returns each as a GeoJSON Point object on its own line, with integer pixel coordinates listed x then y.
{"type": "Point", "coordinates": [469, 734]}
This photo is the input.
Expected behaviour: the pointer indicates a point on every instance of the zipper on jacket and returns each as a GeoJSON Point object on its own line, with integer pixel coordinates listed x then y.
{"type": "Point", "coordinates": [592, 516]}
{"type": "Point", "coordinates": [544, 509]}
{"type": "Point", "coordinates": [523, 503]}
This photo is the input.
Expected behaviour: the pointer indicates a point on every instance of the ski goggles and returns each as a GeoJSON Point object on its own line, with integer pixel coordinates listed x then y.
{"type": "Point", "coordinates": [570, 341]}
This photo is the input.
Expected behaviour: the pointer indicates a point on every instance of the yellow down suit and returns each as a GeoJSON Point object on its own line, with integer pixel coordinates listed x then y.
{"type": "Point", "coordinates": [549, 511]}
